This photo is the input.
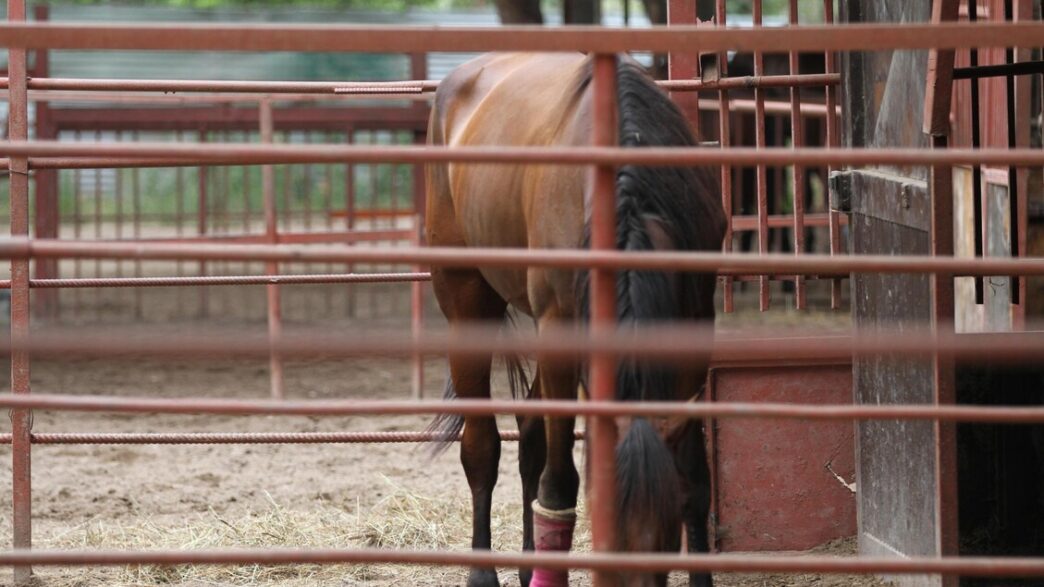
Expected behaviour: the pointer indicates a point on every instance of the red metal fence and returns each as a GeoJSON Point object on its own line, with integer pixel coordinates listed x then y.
{"type": "Point", "coordinates": [603, 345]}
{"type": "Point", "coordinates": [774, 221]}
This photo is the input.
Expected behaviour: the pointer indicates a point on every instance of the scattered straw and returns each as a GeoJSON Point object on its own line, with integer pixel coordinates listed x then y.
{"type": "Point", "coordinates": [402, 519]}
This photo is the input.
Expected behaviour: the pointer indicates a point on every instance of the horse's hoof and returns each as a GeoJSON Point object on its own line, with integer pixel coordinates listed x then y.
{"type": "Point", "coordinates": [483, 578]}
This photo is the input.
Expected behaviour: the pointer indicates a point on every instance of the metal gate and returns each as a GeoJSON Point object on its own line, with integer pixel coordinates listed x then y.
{"type": "Point", "coordinates": [907, 471]}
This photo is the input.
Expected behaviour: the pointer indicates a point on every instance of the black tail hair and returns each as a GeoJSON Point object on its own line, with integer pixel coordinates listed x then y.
{"type": "Point", "coordinates": [447, 427]}
{"type": "Point", "coordinates": [682, 202]}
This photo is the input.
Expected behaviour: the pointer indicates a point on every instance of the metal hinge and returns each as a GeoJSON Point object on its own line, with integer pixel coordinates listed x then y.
{"type": "Point", "coordinates": [841, 185]}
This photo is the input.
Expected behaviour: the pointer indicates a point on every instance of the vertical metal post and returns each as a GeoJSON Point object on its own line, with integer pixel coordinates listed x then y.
{"type": "Point", "coordinates": [938, 107]}
{"type": "Point", "coordinates": [77, 230]}
{"type": "Point", "coordinates": [328, 216]}
{"type": "Point", "coordinates": [725, 139]}
{"type": "Point", "coordinates": [201, 224]}
{"type": "Point", "coordinates": [136, 203]}
{"type": "Point", "coordinates": [349, 216]}
{"type": "Point", "coordinates": [602, 496]}
{"type": "Point", "coordinates": [45, 221]}
{"type": "Point", "coordinates": [46, 218]}
{"type": "Point", "coordinates": [417, 312]}
{"type": "Point", "coordinates": [275, 318]}
{"type": "Point", "coordinates": [306, 187]}
{"type": "Point", "coordinates": [247, 207]}
{"type": "Point", "coordinates": [288, 174]}
{"type": "Point", "coordinates": [977, 221]}
{"type": "Point", "coordinates": [684, 65]}
{"type": "Point", "coordinates": [97, 230]}
{"type": "Point", "coordinates": [419, 189]}
{"type": "Point", "coordinates": [306, 195]}
{"type": "Point", "coordinates": [1013, 175]}
{"type": "Point", "coordinates": [21, 419]}
{"type": "Point", "coordinates": [375, 210]}
{"type": "Point", "coordinates": [179, 218]}
{"type": "Point", "coordinates": [119, 218]}
{"type": "Point", "coordinates": [797, 140]}
{"type": "Point", "coordinates": [179, 201]}
{"type": "Point", "coordinates": [419, 70]}
{"type": "Point", "coordinates": [118, 195]}
{"type": "Point", "coordinates": [1023, 11]}
{"type": "Point", "coordinates": [946, 531]}
{"type": "Point", "coordinates": [222, 193]}
{"type": "Point", "coordinates": [833, 140]}
{"type": "Point", "coordinates": [761, 170]}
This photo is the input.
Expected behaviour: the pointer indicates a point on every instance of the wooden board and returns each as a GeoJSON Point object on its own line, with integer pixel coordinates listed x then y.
{"type": "Point", "coordinates": [883, 97]}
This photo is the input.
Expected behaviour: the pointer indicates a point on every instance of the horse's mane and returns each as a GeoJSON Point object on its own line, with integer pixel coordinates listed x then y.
{"type": "Point", "coordinates": [680, 200]}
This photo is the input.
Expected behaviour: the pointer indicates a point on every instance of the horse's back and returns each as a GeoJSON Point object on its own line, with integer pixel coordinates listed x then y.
{"type": "Point", "coordinates": [510, 100]}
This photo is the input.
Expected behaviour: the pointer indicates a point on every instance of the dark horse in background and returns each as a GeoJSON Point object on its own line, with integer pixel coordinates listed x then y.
{"type": "Point", "coordinates": [546, 100]}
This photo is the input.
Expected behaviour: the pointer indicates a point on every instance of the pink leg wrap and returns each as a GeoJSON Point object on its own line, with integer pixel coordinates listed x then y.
{"type": "Point", "coordinates": [553, 531]}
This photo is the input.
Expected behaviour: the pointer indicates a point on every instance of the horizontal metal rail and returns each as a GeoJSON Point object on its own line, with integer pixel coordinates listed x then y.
{"type": "Point", "coordinates": [176, 36]}
{"type": "Point", "coordinates": [779, 263]}
{"type": "Point", "coordinates": [190, 99]}
{"type": "Point", "coordinates": [246, 89]}
{"type": "Point", "coordinates": [1000, 70]}
{"type": "Point", "coordinates": [107, 162]}
{"type": "Point", "coordinates": [210, 280]}
{"type": "Point", "coordinates": [636, 563]}
{"type": "Point", "coordinates": [750, 223]}
{"type": "Point", "coordinates": [389, 437]}
{"type": "Point", "coordinates": [762, 81]}
{"type": "Point", "coordinates": [668, 344]}
{"type": "Point", "coordinates": [347, 236]}
{"type": "Point", "coordinates": [307, 279]}
{"type": "Point", "coordinates": [242, 87]}
{"type": "Point", "coordinates": [773, 107]}
{"type": "Point", "coordinates": [257, 154]}
{"type": "Point", "coordinates": [553, 408]}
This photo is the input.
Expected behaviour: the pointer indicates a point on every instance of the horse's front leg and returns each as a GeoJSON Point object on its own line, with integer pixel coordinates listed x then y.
{"type": "Point", "coordinates": [554, 512]}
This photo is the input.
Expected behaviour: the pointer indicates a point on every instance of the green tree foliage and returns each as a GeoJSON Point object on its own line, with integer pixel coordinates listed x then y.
{"type": "Point", "coordinates": [519, 11]}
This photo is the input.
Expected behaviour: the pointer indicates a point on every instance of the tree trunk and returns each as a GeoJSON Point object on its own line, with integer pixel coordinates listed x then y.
{"type": "Point", "coordinates": [519, 11]}
{"type": "Point", "coordinates": [582, 11]}
{"type": "Point", "coordinates": [705, 9]}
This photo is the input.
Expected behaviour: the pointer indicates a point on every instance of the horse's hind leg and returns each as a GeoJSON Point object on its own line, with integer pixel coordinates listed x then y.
{"type": "Point", "coordinates": [690, 455]}
{"type": "Point", "coordinates": [555, 516]}
{"type": "Point", "coordinates": [532, 453]}
{"type": "Point", "coordinates": [466, 297]}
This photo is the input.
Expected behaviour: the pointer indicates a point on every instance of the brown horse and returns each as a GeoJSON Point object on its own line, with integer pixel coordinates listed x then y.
{"type": "Point", "coordinates": [545, 100]}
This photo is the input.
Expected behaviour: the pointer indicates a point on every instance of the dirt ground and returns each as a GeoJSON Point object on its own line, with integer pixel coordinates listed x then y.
{"type": "Point", "coordinates": [323, 495]}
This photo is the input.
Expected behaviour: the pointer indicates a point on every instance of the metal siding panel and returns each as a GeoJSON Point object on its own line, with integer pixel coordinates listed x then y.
{"type": "Point", "coordinates": [776, 486]}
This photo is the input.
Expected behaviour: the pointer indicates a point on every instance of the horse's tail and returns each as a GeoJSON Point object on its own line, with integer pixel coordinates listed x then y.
{"type": "Point", "coordinates": [655, 208]}
{"type": "Point", "coordinates": [446, 428]}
